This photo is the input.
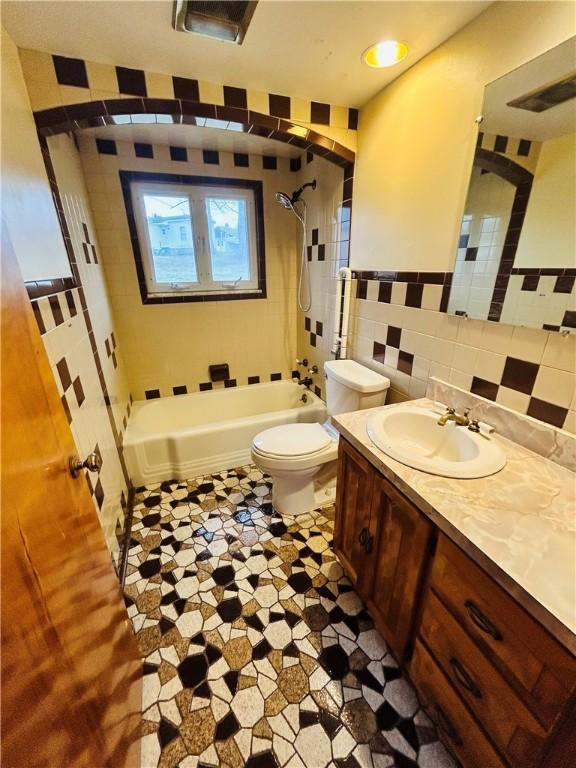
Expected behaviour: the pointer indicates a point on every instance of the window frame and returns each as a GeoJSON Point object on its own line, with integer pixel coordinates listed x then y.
{"type": "Point", "coordinates": [135, 184]}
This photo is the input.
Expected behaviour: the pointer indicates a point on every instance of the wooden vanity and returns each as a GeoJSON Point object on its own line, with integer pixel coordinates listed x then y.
{"type": "Point", "coordinates": [499, 685]}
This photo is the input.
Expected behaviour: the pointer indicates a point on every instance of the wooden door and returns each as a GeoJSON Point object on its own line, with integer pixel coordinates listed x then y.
{"type": "Point", "coordinates": [71, 676]}
{"type": "Point", "coordinates": [352, 520]}
{"type": "Point", "coordinates": [396, 563]}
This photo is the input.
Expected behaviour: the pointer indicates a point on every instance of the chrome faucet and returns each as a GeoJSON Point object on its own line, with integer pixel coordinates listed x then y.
{"type": "Point", "coordinates": [307, 382]}
{"type": "Point", "coordinates": [451, 415]}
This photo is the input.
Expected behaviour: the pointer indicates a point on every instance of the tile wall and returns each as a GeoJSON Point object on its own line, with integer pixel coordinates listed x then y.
{"type": "Point", "coordinates": [79, 334]}
{"type": "Point", "coordinates": [57, 81]}
{"type": "Point", "coordinates": [399, 324]}
{"type": "Point", "coordinates": [495, 212]}
{"type": "Point", "coordinates": [528, 370]}
{"type": "Point", "coordinates": [168, 348]}
{"type": "Point", "coordinates": [482, 235]}
{"type": "Point", "coordinates": [521, 151]}
{"type": "Point", "coordinates": [328, 210]}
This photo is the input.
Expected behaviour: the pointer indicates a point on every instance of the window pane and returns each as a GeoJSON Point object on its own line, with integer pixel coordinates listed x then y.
{"type": "Point", "coordinates": [228, 233]}
{"type": "Point", "coordinates": [170, 229]}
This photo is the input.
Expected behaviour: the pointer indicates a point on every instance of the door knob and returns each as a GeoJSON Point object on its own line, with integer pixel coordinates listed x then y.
{"type": "Point", "coordinates": [93, 463]}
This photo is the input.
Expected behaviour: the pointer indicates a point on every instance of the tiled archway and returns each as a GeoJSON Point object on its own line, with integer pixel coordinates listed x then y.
{"type": "Point", "coordinates": [92, 114]}
{"type": "Point", "coordinates": [522, 180]}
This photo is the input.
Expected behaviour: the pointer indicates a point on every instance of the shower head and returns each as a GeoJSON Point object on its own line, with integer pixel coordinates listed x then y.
{"type": "Point", "coordinates": [288, 202]}
{"type": "Point", "coordinates": [284, 200]}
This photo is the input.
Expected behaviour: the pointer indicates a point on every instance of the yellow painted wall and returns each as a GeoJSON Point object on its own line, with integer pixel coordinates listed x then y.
{"type": "Point", "coordinates": [28, 211]}
{"type": "Point", "coordinates": [416, 138]}
{"type": "Point", "coordinates": [548, 235]}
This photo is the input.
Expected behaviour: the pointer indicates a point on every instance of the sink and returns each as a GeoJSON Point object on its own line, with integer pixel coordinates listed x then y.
{"type": "Point", "coordinates": [412, 436]}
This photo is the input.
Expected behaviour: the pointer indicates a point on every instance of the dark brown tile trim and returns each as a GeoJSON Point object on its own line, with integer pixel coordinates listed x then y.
{"type": "Point", "coordinates": [509, 250]}
{"type": "Point", "coordinates": [126, 534]}
{"type": "Point", "coordinates": [522, 180]}
{"type": "Point", "coordinates": [502, 166]}
{"type": "Point", "coordinates": [545, 271]}
{"type": "Point", "coordinates": [38, 288]}
{"type": "Point", "coordinates": [427, 278]}
{"type": "Point", "coordinates": [96, 113]}
{"type": "Point", "coordinates": [127, 177]}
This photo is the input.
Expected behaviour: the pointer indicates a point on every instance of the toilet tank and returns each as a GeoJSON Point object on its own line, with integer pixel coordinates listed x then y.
{"type": "Point", "coordinates": [353, 387]}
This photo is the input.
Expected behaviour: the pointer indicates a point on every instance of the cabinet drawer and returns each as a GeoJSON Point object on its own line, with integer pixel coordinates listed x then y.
{"type": "Point", "coordinates": [512, 727]}
{"type": "Point", "coordinates": [542, 672]}
{"type": "Point", "coordinates": [458, 729]}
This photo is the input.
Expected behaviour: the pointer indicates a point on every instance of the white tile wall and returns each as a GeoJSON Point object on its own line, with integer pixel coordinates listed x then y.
{"type": "Point", "coordinates": [70, 340]}
{"type": "Point", "coordinates": [324, 213]}
{"type": "Point", "coordinates": [457, 349]}
{"type": "Point", "coordinates": [173, 345]}
{"type": "Point", "coordinates": [485, 222]}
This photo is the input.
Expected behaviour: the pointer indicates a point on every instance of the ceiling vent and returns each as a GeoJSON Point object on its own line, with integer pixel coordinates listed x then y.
{"type": "Point", "coordinates": [227, 20]}
{"type": "Point", "coordinates": [547, 97]}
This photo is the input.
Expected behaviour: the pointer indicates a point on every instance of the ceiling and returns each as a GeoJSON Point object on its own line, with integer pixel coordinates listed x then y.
{"type": "Point", "coordinates": [194, 137]}
{"type": "Point", "coordinates": [499, 118]}
{"type": "Point", "coordinates": [304, 48]}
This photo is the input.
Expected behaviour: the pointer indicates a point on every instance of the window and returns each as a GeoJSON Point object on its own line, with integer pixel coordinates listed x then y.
{"type": "Point", "coordinates": [198, 238]}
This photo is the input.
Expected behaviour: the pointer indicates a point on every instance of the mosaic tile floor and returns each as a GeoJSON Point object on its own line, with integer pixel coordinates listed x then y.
{"type": "Point", "coordinates": [257, 650]}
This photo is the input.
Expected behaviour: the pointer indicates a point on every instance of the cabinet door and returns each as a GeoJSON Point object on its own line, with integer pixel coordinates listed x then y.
{"type": "Point", "coordinates": [352, 520]}
{"type": "Point", "coordinates": [398, 551]}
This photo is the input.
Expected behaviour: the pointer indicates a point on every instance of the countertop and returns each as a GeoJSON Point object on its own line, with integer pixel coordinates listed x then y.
{"type": "Point", "coordinates": [519, 524]}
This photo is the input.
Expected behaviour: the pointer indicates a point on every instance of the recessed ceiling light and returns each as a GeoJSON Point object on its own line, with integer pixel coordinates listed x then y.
{"type": "Point", "coordinates": [385, 53]}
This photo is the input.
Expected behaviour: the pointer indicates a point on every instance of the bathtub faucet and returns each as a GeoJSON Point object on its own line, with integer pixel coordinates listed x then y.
{"type": "Point", "coordinates": [306, 382]}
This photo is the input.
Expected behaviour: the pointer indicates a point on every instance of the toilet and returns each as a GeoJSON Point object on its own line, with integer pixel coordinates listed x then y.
{"type": "Point", "coordinates": [302, 458]}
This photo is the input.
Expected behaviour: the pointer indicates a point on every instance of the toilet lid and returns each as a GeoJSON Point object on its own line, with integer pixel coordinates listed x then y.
{"type": "Point", "coordinates": [292, 440]}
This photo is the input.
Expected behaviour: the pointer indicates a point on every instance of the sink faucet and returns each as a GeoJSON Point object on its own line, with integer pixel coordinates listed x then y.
{"type": "Point", "coordinates": [451, 415]}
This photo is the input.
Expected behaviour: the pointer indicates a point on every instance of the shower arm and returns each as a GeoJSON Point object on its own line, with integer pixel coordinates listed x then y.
{"type": "Point", "coordinates": [296, 195]}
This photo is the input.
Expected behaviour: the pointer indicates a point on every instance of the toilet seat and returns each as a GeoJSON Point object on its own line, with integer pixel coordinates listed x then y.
{"type": "Point", "coordinates": [292, 441]}
{"type": "Point", "coordinates": [302, 458]}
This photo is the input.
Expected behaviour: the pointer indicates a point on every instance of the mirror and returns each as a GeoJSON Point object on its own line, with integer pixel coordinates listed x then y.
{"type": "Point", "coordinates": [516, 258]}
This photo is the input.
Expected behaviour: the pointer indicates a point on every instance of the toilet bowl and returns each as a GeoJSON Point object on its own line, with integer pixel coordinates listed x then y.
{"type": "Point", "coordinates": [302, 458]}
{"type": "Point", "coordinates": [293, 455]}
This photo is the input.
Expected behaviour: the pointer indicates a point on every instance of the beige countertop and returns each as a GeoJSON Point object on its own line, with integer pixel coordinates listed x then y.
{"type": "Point", "coordinates": [521, 520]}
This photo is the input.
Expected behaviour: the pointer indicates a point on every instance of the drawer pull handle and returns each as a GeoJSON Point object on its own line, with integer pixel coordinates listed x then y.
{"type": "Point", "coordinates": [363, 536]}
{"type": "Point", "coordinates": [446, 725]}
{"type": "Point", "coordinates": [481, 621]}
{"type": "Point", "coordinates": [464, 678]}
{"type": "Point", "coordinates": [369, 544]}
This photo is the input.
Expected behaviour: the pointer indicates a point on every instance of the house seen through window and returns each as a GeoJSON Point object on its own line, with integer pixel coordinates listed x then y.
{"type": "Point", "coordinates": [198, 238]}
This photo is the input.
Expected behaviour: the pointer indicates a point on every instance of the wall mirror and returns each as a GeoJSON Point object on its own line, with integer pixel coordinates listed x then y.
{"type": "Point", "coordinates": [516, 258]}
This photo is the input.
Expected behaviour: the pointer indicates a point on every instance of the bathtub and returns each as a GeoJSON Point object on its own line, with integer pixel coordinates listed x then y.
{"type": "Point", "coordinates": [189, 435]}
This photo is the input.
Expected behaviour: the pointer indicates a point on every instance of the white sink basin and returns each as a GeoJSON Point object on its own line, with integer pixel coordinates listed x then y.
{"type": "Point", "coordinates": [413, 436]}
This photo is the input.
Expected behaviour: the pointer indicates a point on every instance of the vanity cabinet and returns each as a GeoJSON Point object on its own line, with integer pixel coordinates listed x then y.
{"type": "Point", "coordinates": [381, 540]}
{"type": "Point", "coordinates": [510, 672]}
{"type": "Point", "coordinates": [354, 495]}
{"type": "Point", "coordinates": [500, 687]}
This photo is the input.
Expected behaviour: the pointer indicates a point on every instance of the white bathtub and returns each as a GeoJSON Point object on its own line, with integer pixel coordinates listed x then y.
{"type": "Point", "coordinates": [188, 435]}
